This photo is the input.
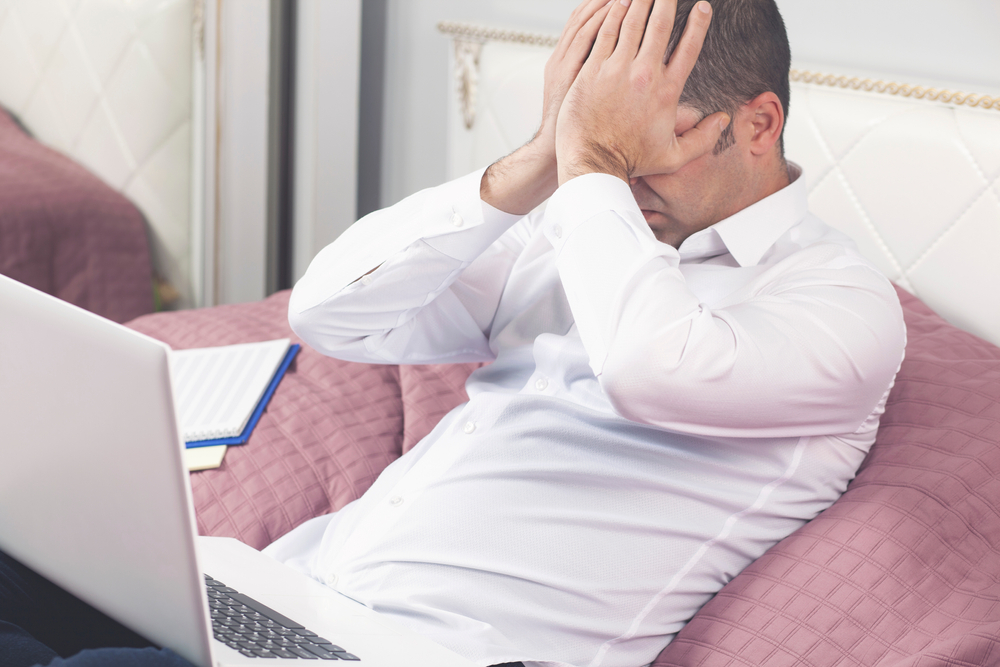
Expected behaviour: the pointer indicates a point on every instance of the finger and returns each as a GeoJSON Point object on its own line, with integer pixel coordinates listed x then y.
{"type": "Point", "coordinates": [698, 141]}
{"type": "Point", "coordinates": [584, 40]}
{"type": "Point", "coordinates": [686, 54]}
{"type": "Point", "coordinates": [607, 36]}
{"type": "Point", "coordinates": [579, 18]}
{"type": "Point", "coordinates": [633, 27]}
{"type": "Point", "coordinates": [656, 39]}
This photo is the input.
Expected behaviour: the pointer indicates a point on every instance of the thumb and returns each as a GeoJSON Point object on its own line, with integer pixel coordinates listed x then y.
{"type": "Point", "coordinates": [701, 138]}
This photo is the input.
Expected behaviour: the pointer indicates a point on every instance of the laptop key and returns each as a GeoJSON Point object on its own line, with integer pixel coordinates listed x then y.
{"type": "Point", "coordinates": [264, 610]}
{"type": "Point", "coordinates": [305, 655]}
{"type": "Point", "coordinates": [256, 630]}
{"type": "Point", "coordinates": [318, 651]}
{"type": "Point", "coordinates": [263, 653]}
{"type": "Point", "coordinates": [344, 655]}
{"type": "Point", "coordinates": [330, 646]}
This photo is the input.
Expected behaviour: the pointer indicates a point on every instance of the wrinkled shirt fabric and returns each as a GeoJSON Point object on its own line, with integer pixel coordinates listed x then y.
{"type": "Point", "coordinates": [652, 421]}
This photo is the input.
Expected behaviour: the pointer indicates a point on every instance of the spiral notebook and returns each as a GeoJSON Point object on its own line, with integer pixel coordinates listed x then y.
{"type": "Point", "coordinates": [220, 392]}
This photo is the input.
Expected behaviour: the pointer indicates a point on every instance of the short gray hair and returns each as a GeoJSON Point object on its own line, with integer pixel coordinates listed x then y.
{"type": "Point", "coordinates": [746, 53]}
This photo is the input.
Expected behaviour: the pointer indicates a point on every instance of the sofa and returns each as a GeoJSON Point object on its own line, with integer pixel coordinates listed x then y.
{"type": "Point", "coordinates": [903, 570]}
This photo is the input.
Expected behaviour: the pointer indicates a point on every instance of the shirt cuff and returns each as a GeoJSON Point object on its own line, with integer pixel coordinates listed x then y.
{"type": "Point", "coordinates": [462, 225]}
{"type": "Point", "coordinates": [586, 197]}
{"type": "Point", "coordinates": [601, 240]}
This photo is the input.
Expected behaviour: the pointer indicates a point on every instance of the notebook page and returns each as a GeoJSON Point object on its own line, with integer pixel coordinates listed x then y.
{"type": "Point", "coordinates": [217, 388]}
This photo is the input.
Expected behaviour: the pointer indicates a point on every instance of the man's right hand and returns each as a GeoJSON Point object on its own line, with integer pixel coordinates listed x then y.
{"type": "Point", "coordinates": [527, 177]}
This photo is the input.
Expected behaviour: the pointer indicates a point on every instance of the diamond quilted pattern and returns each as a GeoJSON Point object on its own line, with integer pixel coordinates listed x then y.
{"type": "Point", "coordinates": [109, 83]}
{"type": "Point", "coordinates": [103, 32]}
{"type": "Point", "coordinates": [903, 569]}
{"type": "Point", "coordinates": [954, 266]}
{"type": "Point", "coordinates": [834, 119]}
{"type": "Point", "coordinates": [979, 136]}
{"type": "Point", "coordinates": [908, 211]}
{"type": "Point", "coordinates": [833, 195]}
{"type": "Point", "coordinates": [916, 184]}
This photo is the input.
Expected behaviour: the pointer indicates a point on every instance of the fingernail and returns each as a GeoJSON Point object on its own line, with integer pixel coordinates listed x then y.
{"type": "Point", "coordinates": [625, 3]}
{"type": "Point", "coordinates": [704, 7]}
{"type": "Point", "coordinates": [724, 122]}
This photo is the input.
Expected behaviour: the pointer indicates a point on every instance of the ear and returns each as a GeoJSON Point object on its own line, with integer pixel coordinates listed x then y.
{"type": "Point", "coordinates": [767, 116]}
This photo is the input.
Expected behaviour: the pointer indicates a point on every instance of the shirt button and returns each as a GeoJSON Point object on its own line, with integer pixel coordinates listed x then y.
{"type": "Point", "coordinates": [331, 580]}
{"type": "Point", "coordinates": [456, 220]}
{"type": "Point", "coordinates": [557, 231]}
{"type": "Point", "coordinates": [367, 280]}
{"type": "Point", "coordinates": [395, 501]}
{"type": "Point", "coordinates": [541, 384]}
{"type": "Point", "coordinates": [469, 427]}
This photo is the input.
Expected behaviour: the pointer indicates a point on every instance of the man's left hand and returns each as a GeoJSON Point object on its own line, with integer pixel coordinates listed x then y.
{"type": "Point", "coordinates": [619, 116]}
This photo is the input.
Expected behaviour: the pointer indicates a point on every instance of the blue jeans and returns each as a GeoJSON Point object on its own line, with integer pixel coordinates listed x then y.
{"type": "Point", "coordinates": [41, 624]}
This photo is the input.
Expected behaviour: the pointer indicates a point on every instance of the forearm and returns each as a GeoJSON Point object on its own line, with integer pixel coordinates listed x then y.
{"type": "Point", "coordinates": [521, 181]}
{"type": "Point", "coordinates": [803, 350]}
{"type": "Point", "coordinates": [420, 246]}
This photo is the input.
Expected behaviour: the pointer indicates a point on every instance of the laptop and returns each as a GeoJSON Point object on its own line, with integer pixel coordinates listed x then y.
{"type": "Point", "coordinates": [96, 498]}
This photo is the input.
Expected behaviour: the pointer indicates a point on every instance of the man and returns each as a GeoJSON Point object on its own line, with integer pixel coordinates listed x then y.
{"type": "Point", "coordinates": [686, 365]}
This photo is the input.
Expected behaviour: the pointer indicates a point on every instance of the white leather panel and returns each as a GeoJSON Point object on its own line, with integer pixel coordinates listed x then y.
{"type": "Point", "coordinates": [108, 82]}
{"type": "Point", "coordinates": [915, 183]}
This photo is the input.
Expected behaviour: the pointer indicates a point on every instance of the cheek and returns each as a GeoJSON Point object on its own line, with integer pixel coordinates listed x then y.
{"type": "Point", "coordinates": [681, 182]}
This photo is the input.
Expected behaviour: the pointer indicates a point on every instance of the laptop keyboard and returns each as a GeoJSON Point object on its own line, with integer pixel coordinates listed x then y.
{"type": "Point", "coordinates": [257, 631]}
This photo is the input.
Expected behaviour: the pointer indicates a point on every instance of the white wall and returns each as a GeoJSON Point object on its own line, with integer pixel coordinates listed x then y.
{"type": "Point", "coordinates": [241, 260]}
{"type": "Point", "coordinates": [328, 62]}
{"type": "Point", "coordinates": [956, 41]}
{"type": "Point", "coordinates": [950, 41]}
{"type": "Point", "coordinates": [416, 80]}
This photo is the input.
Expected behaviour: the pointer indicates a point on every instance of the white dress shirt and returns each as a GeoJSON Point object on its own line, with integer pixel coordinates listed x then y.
{"type": "Point", "coordinates": [653, 419]}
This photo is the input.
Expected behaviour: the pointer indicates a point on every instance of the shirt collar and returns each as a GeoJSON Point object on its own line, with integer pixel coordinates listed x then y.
{"type": "Point", "coordinates": [748, 234]}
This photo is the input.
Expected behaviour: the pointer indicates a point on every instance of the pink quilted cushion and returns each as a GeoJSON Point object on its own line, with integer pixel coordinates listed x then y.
{"type": "Point", "coordinates": [329, 430]}
{"type": "Point", "coordinates": [67, 233]}
{"type": "Point", "coordinates": [904, 569]}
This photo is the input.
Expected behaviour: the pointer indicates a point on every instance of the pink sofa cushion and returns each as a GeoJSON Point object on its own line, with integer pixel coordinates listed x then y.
{"type": "Point", "coordinates": [329, 430]}
{"type": "Point", "coordinates": [67, 233]}
{"type": "Point", "coordinates": [904, 569]}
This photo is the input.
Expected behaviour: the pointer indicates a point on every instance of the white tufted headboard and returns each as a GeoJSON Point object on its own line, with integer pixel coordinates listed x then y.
{"type": "Point", "coordinates": [109, 84]}
{"type": "Point", "coordinates": [911, 173]}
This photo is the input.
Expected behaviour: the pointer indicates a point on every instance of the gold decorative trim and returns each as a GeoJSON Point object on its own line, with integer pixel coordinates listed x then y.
{"type": "Point", "coordinates": [469, 39]}
{"type": "Point", "coordinates": [467, 54]}
{"type": "Point", "coordinates": [478, 33]}
{"type": "Point", "coordinates": [900, 89]}
{"type": "Point", "coordinates": [198, 25]}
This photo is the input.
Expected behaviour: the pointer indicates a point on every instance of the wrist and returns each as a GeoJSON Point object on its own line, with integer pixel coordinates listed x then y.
{"type": "Point", "coordinates": [521, 181]}
{"type": "Point", "coordinates": [595, 159]}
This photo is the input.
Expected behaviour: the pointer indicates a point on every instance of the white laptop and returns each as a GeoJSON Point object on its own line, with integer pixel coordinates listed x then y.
{"type": "Point", "coordinates": [95, 497]}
